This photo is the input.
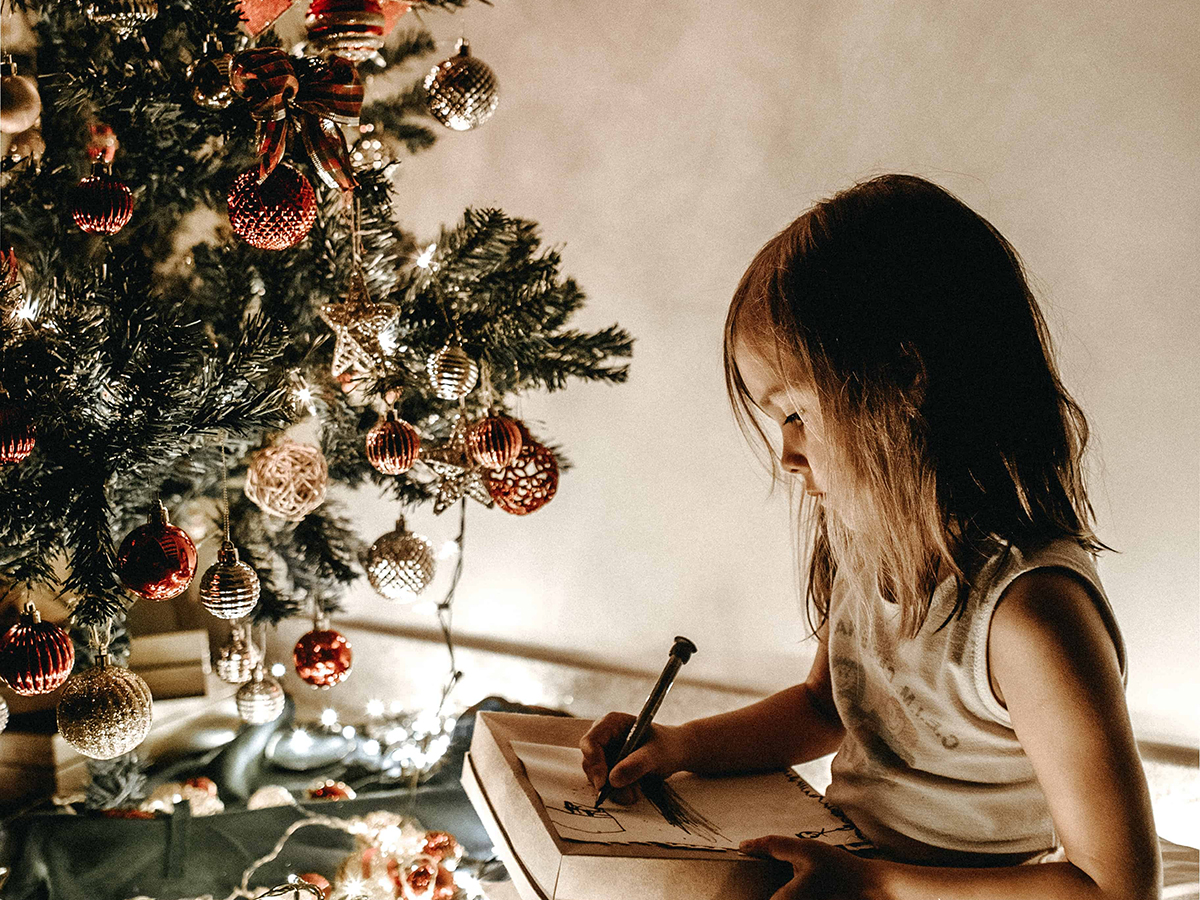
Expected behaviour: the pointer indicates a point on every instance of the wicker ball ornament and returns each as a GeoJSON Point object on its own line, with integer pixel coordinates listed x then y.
{"type": "Point", "coordinates": [493, 441]}
{"type": "Point", "coordinates": [104, 711]}
{"type": "Point", "coordinates": [527, 483]}
{"type": "Point", "coordinates": [229, 589]}
{"type": "Point", "coordinates": [393, 445]}
{"type": "Point", "coordinates": [16, 431]}
{"type": "Point", "coordinates": [353, 29]}
{"type": "Point", "coordinates": [400, 564]}
{"type": "Point", "coordinates": [260, 699]}
{"type": "Point", "coordinates": [452, 372]}
{"type": "Point", "coordinates": [101, 204]}
{"type": "Point", "coordinates": [276, 214]}
{"type": "Point", "coordinates": [157, 560]}
{"type": "Point", "coordinates": [36, 657]}
{"type": "Point", "coordinates": [124, 16]}
{"type": "Point", "coordinates": [20, 104]}
{"type": "Point", "coordinates": [322, 656]}
{"type": "Point", "coordinates": [288, 480]}
{"type": "Point", "coordinates": [237, 658]}
{"type": "Point", "coordinates": [462, 91]}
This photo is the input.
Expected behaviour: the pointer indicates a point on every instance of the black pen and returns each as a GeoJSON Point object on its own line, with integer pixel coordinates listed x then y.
{"type": "Point", "coordinates": [681, 652]}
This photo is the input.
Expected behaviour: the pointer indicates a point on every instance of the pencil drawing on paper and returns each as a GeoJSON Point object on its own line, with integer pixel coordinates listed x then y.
{"type": "Point", "coordinates": [678, 812]}
{"type": "Point", "coordinates": [584, 819]}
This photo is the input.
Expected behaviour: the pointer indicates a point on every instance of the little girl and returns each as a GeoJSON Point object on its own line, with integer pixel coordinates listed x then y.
{"type": "Point", "coordinates": [970, 673]}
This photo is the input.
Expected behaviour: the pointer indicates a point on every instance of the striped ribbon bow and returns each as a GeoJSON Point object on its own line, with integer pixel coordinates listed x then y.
{"type": "Point", "coordinates": [316, 97]}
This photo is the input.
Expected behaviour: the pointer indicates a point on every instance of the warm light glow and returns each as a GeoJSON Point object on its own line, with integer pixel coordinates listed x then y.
{"type": "Point", "coordinates": [328, 717]}
{"type": "Point", "coordinates": [348, 732]}
{"type": "Point", "coordinates": [27, 311]}
{"type": "Point", "coordinates": [374, 707]}
{"type": "Point", "coordinates": [426, 256]}
{"type": "Point", "coordinates": [371, 747]}
{"type": "Point", "coordinates": [278, 669]}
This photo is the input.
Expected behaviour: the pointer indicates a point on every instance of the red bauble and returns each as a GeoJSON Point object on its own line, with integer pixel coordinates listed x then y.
{"type": "Point", "coordinates": [157, 560]}
{"type": "Point", "coordinates": [528, 483]}
{"type": "Point", "coordinates": [322, 657]}
{"type": "Point", "coordinates": [36, 657]}
{"type": "Point", "coordinates": [100, 204]}
{"type": "Point", "coordinates": [16, 431]}
{"type": "Point", "coordinates": [494, 441]}
{"type": "Point", "coordinates": [393, 445]}
{"type": "Point", "coordinates": [276, 214]}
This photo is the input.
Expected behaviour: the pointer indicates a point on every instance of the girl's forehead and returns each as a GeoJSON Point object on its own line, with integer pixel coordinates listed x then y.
{"type": "Point", "coordinates": [771, 373]}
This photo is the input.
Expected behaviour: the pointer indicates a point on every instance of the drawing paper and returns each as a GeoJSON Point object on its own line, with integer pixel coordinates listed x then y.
{"type": "Point", "coordinates": [685, 810]}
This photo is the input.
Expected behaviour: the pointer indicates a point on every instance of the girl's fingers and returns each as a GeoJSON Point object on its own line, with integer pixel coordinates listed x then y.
{"type": "Point", "coordinates": [602, 739]}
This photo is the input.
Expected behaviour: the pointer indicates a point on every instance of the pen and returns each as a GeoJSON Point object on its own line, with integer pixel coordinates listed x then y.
{"type": "Point", "coordinates": [681, 652]}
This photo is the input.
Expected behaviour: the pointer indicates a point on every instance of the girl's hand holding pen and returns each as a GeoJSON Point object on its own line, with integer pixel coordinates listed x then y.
{"type": "Point", "coordinates": [662, 754]}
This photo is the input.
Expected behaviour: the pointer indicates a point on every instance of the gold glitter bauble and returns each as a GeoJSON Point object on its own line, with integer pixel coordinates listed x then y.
{"type": "Point", "coordinates": [230, 588]}
{"type": "Point", "coordinates": [462, 92]}
{"type": "Point", "coordinates": [452, 372]}
{"type": "Point", "coordinates": [288, 480]}
{"type": "Point", "coordinates": [400, 564]}
{"type": "Point", "coordinates": [104, 711]}
{"type": "Point", "coordinates": [237, 658]}
{"type": "Point", "coordinates": [260, 699]}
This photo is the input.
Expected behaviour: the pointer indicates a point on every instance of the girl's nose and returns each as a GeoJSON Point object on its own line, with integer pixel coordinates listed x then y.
{"type": "Point", "coordinates": [793, 461]}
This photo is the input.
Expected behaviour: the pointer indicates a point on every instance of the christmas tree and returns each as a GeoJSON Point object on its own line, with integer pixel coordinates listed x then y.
{"type": "Point", "coordinates": [199, 262]}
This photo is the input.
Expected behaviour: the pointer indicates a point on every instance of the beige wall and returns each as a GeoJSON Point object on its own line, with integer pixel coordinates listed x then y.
{"type": "Point", "coordinates": [663, 143]}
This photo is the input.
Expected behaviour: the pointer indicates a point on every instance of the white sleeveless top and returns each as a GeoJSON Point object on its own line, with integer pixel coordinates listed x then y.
{"type": "Point", "coordinates": [929, 752]}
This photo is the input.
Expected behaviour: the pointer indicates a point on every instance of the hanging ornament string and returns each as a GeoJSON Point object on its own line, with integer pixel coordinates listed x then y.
{"type": "Point", "coordinates": [225, 485]}
{"type": "Point", "coordinates": [445, 609]}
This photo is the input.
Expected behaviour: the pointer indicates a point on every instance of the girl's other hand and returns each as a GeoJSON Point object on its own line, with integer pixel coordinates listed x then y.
{"type": "Point", "coordinates": [819, 871]}
{"type": "Point", "coordinates": [661, 754]}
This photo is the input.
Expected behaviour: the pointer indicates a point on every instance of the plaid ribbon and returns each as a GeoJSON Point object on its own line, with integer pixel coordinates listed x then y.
{"type": "Point", "coordinates": [313, 96]}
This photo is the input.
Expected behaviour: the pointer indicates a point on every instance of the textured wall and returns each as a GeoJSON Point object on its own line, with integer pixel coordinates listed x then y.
{"type": "Point", "coordinates": [662, 144]}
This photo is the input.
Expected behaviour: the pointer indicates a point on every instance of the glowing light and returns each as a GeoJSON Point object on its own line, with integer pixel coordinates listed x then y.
{"type": "Point", "coordinates": [371, 747]}
{"type": "Point", "coordinates": [348, 732]}
{"type": "Point", "coordinates": [27, 311]}
{"type": "Point", "coordinates": [397, 706]}
{"type": "Point", "coordinates": [301, 741]}
{"type": "Point", "coordinates": [387, 341]}
{"type": "Point", "coordinates": [426, 256]}
{"type": "Point", "coordinates": [374, 707]}
{"type": "Point", "coordinates": [328, 717]}
{"type": "Point", "coordinates": [278, 669]}
{"type": "Point", "coordinates": [448, 550]}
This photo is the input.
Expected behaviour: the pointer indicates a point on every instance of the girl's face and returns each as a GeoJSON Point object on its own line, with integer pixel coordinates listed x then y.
{"type": "Point", "coordinates": [792, 404]}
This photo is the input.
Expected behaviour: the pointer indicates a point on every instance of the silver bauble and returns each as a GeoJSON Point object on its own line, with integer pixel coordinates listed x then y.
{"type": "Point", "coordinates": [260, 699]}
{"type": "Point", "coordinates": [104, 711]}
{"type": "Point", "coordinates": [237, 658]}
{"type": "Point", "coordinates": [462, 92]}
{"type": "Point", "coordinates": [400, 564]}
{"type": "Point", "coordinates": [452, 372]}
{"type": "Point", "coordinates": [230, 588]}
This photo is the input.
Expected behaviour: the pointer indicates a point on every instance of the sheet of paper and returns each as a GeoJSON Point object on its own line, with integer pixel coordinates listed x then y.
{"type": "Point", "coordinates": [684, 811]}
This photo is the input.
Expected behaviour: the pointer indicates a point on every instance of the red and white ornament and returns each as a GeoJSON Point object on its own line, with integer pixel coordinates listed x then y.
{"type": "Point", "coordinates": [275, 214]}
{"type": "Point", "coordinates": [36, 657]}
{"type": "Point", "coordinates": [352, 29]}
{"type": "Point", "coordinates": [393, 445]}
{"type": "Point", "coordinates": [322, 656]}
{"type": "Point", "coordinates": [328, 789]}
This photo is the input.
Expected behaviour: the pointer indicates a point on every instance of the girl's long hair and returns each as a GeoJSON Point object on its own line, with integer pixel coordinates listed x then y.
{"type": "Point", "coordinates": [950, 430]}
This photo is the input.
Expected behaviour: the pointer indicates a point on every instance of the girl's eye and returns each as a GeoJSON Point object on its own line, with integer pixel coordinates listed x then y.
{"type": "Point", "coordinates": [794, 417]}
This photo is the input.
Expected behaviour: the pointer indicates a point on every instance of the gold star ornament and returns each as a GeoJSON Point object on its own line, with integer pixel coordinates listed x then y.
{"type": "Point", "coordinates": [359, 323]}
{"type": "Point", "coordinates": [457, 474]}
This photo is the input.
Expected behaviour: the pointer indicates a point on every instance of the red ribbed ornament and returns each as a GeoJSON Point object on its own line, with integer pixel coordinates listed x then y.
{"type": "Point", "coordinates": [322, 656]}
{"type": "Point", "coordinates": [36, 657]}
{"type": "Point", "coordinates": [276, 214]}
{"type": "Point", "coordinates": [157, 560]}
{"type": "Point", "coordinates": [100, 204]}
{"type": "Point", "coordinates": [494, 441]}
{"type": "Point", "coordinates": [393, 445]}
{"type": "Point", "coordinates": [16, 431]}
{"type": "Point", "coordinates": [527, 483]}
